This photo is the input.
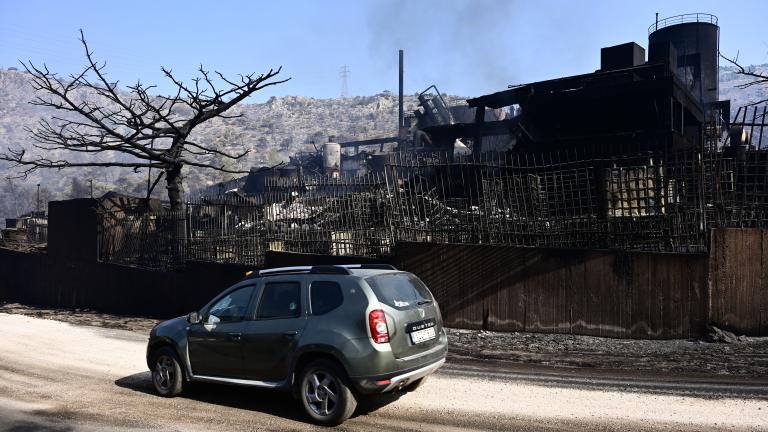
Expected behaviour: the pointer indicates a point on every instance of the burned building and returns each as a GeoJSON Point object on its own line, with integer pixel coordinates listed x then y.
{"type": "Point", "coordinates": [638, 155]}
{"type": "Point", "coordinates": [630, 105]}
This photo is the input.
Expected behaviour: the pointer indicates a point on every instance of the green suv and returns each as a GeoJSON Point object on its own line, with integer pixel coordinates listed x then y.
{"type": "Point", "coordinates": [329, 334]}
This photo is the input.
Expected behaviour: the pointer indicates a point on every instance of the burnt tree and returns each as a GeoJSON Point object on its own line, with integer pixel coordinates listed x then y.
{"type": "Point", "coordinates": [139, 129]}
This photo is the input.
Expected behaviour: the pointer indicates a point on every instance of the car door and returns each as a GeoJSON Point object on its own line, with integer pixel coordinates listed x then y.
{"type": "Point", "coordinates": [272, 337]}
{"type": "Point", "coordinates": [215, 344]}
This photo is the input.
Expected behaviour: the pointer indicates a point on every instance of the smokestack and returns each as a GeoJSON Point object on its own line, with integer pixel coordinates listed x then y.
{"type": "Point", "coordinates": [401, 116]}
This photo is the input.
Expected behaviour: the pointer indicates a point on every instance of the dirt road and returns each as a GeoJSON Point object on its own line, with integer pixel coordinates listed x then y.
{"type": "Point", "coordinates": [56, 376]}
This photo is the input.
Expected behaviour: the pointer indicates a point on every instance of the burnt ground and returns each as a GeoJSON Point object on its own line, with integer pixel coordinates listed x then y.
{"type": "Point", "coordinates": [746, 357]}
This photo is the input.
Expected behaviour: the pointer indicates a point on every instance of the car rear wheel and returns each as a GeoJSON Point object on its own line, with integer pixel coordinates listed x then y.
{"type": "Point", "coordinates": [167, 376]}
{"type": "Point", "coordinates": [325, 395]}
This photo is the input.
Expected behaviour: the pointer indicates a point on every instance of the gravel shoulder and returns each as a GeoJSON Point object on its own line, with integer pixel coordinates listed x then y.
{"type": "Point", "coordinates": [746, 358]}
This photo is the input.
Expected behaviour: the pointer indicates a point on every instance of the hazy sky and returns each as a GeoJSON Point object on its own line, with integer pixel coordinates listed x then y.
{"type": "Point", "coordinates": [465, 47]}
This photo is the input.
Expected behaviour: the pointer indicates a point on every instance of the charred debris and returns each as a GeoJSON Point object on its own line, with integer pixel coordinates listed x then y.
{"type": "Point", "coordinates": [639, 155]}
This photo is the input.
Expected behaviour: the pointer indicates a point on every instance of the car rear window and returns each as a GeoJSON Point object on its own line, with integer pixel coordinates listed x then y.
{"type": "Point", "coordinates": [399, 290]}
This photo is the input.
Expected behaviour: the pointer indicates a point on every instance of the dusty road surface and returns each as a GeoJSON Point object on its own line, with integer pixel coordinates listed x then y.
{"type": "Point", "coordinates": [56, 376]}
{"type": "Point", "coordinates": [748, 357]}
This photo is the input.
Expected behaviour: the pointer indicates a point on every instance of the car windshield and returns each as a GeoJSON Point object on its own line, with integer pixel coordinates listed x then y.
{"type": "Point", "coordinates": [399, 290]}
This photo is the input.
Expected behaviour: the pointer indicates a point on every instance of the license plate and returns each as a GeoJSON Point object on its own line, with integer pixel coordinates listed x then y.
{"type": "Point", "coordinates": [423, 335]}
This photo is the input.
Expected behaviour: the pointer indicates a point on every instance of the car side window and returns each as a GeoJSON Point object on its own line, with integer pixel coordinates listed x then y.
{"type": "Point", "coordinates": [232, 307]}
{"type": "Point", "coordinates": [280, 300]}
{"type": "Point", "coordinates": [325, 297]}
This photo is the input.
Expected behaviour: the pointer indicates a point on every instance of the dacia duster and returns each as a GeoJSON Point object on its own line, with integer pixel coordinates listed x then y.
{"type": "Point", "coordinates": [328, 334]}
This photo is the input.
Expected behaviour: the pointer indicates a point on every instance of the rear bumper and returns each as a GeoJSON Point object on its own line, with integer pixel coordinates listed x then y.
{"type": "Point", "coordinates": [401, 381]}
{"type": "Point", "coordinates": [395, 381]}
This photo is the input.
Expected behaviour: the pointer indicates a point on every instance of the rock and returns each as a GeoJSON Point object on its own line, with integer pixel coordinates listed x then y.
{"type": "Point", "coordinates": [717, 335]}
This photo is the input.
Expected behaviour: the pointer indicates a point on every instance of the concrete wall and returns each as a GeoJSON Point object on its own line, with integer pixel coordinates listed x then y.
{"type": "Point", "coordinates": [738, 280]}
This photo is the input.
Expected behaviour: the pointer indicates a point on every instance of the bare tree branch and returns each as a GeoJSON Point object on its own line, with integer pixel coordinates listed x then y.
{"type": "Point", "coordinates": [756, 78]}
{"type": "Point", "coordinates": [149, 130]}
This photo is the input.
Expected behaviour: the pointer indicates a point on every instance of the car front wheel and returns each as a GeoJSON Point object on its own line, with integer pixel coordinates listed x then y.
{"type": "Point", "coordinates": [325, 395]}
{"type": "Point", "coordinates": [167, 376]}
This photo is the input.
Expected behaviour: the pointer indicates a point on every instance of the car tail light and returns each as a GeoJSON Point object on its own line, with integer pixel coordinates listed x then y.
{"type": "Point", "coordinates": [378, 323]}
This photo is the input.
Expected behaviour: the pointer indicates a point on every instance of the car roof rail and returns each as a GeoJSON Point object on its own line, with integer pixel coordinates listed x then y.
{"type": "Point", "coordinates": [329, 269]}
{"type": "Point", "coordinates": [369, 266]}
{"type": "Point", "coordinates": [318, 269]}
{"type": "Point", "coordinates": [284, 270]}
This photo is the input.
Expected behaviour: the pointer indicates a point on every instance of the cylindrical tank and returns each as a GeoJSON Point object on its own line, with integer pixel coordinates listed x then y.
{"type": "Point", "coordinates": [332, 156]}
{"type": "Point", "coordinates": [696, 38]}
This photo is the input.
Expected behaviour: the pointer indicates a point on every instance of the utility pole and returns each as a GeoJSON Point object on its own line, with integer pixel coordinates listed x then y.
{"type": "Point", "coordinates": [37, 210]}
{"type": "Point", "coordinates": [91, 180]}
{"type": "Point", "coordinates": [344, 76]}
{"type": "Point", "coordinates": [400, 113]}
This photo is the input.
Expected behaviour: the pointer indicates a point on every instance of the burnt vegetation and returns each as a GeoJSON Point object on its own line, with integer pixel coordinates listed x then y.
{"type": "Point", "coordinates": [142, 130]}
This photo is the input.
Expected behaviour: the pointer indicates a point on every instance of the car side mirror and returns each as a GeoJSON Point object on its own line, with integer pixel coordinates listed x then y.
{"type": "Point", "coordinates": [193, 318]}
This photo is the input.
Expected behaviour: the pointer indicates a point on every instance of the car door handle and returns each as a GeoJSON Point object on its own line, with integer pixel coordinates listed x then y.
{"type": "Point", "coordinates": [290, 334]}
{"type": "Point", "coordinates": [235, 336]}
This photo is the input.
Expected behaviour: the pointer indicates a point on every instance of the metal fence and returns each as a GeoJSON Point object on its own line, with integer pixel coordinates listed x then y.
{"type": "Point", "coordinates": [663, 202]}
{"type": "Point", "coordinates": [312, 215]}
{"type": "Point", "coordinates": [26, 233]}
{"type": "Point", "coordinates": [328, 216]}
{"type": "Point", "coordinates": [641, 202]}
{"type": "Point", "coordinates": [37, 231]}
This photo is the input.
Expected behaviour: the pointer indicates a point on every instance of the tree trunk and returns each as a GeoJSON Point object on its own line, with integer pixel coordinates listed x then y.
{"type": "Point", "coordinates": [178, 215]}
{"type": "Point", "coordinates": [175, 188]}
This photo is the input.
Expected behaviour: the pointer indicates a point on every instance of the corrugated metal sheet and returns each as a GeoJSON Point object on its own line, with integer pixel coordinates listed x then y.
{"type": "Point", "coordinates": [505, 288]}
{"type": "Point", "coordinates": [738, 277]}
{"type": "Point", "coordinates": [601, 293]}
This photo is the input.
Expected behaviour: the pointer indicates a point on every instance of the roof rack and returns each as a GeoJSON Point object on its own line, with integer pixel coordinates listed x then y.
{"type": "Point", "coordinates": [318, 269]}
{"type": "Point", "coordinates": [369, 266]}
{"type": "Point", "coordinates": [329, 269]}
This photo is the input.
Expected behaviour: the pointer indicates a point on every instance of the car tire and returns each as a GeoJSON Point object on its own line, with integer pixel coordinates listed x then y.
{"type": "Point", "coordinates": [416, 384]}
{"type": "Point", "coordinates": [325, 394]}
{"type": "Point", "coordinates": [167, 376]}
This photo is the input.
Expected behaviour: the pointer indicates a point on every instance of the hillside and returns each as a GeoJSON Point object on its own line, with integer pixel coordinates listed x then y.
{"type": "Point", "coordinates": [272, 131]}
{"type": "Point", "coordinates": [729, 82]}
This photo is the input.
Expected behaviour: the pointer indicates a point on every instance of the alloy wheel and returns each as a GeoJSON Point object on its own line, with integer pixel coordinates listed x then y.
{"type": "Point", "coordinates": [322, 393]}
{"type": "Point", "coordinates": [164, 374]}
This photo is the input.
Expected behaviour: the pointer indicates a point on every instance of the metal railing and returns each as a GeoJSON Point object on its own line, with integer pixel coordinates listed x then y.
{"type": "Point", "coordinates": [683, 19]}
